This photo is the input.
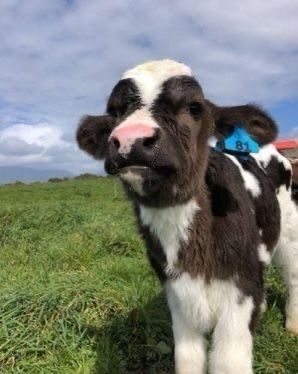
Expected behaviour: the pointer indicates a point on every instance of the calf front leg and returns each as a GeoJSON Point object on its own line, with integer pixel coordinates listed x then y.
{"type": "Point", "coordinates": [190, 356]}
{"type": "Point", "coordinates": [286, 256]}
{"type": "Point", "coordinates": [232, 339]}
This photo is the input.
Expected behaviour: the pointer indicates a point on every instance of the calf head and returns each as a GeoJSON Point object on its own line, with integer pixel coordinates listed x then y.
{"type": "Point", "coordinates": [155, 133]}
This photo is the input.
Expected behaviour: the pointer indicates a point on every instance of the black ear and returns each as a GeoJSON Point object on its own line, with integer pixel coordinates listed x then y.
{"type": "Point", "coordinates": [256, 121]}
{"type": "Point", "coordinates": [93, 134]}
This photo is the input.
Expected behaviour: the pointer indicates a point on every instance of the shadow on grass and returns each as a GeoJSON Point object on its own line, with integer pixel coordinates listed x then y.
{"type": "Point", "coordinates": [276, 292]}
{"type": "Point", "coordinates": [276, 298]}
{"type": "Point", "coordinates": [140, 342]}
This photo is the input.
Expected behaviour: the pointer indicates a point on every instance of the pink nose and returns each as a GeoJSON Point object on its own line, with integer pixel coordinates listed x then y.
{"type": "Point", "coordinates": [123, 138]}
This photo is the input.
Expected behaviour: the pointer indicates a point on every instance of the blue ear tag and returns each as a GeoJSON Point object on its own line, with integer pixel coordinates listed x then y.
{"type": "Point", "coordinates": [238, 142]}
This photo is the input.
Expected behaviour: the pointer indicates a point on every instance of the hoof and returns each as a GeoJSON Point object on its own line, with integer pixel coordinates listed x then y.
{"type": "Point", "coordinates": [292, 325]}
{"type": "Point", "coordinates": [264, 306]}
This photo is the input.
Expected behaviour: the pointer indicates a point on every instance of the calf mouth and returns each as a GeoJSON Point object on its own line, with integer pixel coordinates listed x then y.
{"type": "Point", "coordinates": [134, 169]}
{"type": "Point", "coordinates": [149, 162]}
{"type": "Point", "coordinates": [121, 168]}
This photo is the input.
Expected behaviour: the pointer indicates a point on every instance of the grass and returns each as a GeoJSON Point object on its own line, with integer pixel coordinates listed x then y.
{"type": "Point", "coordinates": [77, 294]}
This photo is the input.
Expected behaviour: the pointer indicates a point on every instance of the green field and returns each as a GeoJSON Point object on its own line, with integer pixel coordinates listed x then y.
{"type": "Point", "coordinates": [77, 294]}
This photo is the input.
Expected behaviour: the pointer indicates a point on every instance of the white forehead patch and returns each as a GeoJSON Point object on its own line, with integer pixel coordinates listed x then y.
{"type": "Point", "coordinates": [150, 76]}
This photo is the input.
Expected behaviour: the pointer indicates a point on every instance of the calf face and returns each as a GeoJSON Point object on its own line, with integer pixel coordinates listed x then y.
{"type": "Point", "coordinates": [155, 133]}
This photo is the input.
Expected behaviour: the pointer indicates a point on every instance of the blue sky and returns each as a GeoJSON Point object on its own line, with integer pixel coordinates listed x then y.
{"type": "Point", "coordinates": [59, 60]}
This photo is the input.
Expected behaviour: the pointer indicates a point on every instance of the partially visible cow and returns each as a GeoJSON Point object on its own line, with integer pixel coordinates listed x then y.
{"type": "Point", "coordinates": [295, 180]}
{"type": "Point", "coordinates": [295, 171]}
{"type": "Point", "coordinates": [289, 148]}
{"type": "Point", "coordinates": [211, 222]}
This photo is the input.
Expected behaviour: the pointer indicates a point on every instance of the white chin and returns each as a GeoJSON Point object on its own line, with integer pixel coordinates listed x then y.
{"type": "Point", "coordinates": [134, 179]}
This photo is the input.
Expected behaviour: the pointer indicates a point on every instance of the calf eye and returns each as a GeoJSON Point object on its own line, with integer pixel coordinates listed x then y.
{"type": "Point", "coordinates": [195, 109]}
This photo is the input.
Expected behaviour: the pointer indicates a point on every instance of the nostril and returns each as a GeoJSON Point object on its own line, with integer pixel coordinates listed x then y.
{"type": "Point", "coordinates": [151, 140]}
{"type": "Point", "coordinates": [115, 143]}
{"type": "Point", "coordinates": [148, 142]}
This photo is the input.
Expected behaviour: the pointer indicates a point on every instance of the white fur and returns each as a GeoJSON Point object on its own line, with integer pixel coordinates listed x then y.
{"type": "Point", "coordinates": [267, 153]}
{"type": "Point", "coordinates": [264, 254]}
{"type": "Point", "coordinates": [232, 340]}
{"type": "Point", "coordinates": [135, 181]}
{"type": "Point", "coordinates": [142, 116]}
{"type": "Point", "coordinates": [196, 307]}
{"type": "Point", "coordinates": [287, 255]}
{"type": "Point", "coordinates": [250, 181]}
{"type": "Point", "coordinates": [212, 141]}
{"type": "Point", "coordinates": [171, 226]}
{"type": "Point", "coordinates": [150, 76]}
{"type": "Point", "coordinates": [190, 355]}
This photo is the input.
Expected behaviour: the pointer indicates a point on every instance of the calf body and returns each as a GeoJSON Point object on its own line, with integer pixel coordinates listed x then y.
{"type": "Point", "coordinates": [210, 221]}
{"type": "Point", "coordinates": [211, 252]}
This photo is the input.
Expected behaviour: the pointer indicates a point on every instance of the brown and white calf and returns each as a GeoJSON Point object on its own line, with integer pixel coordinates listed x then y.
{"type": "Point", "coordinates": [210, 222]}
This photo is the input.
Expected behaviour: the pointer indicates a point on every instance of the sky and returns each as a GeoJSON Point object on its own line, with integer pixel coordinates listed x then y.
{"type": "Point", "coordinates": [59, 60]}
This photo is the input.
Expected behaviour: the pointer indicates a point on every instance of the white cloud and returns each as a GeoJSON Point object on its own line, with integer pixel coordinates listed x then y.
{"type": "Point", "coordinates": [60, 59]}
{"type": "Point", "coordinates": [43, 135]}
{"type": "Point", "coordinates": [13, 146]}
{"type": "Point", "coordinates": [70, 53]}
{"type": "Point", "coordinates": [41, 145]}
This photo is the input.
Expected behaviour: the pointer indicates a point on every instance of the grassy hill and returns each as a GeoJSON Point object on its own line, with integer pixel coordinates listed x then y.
{"type": "Point", "coordinates": [77, 294]}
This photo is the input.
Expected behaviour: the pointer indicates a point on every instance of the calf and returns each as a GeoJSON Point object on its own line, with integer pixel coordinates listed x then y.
{"type": "Point", "coordinates": [210, 221]}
